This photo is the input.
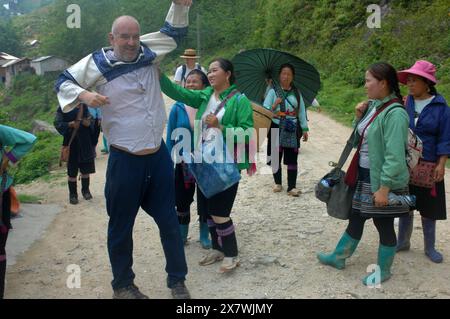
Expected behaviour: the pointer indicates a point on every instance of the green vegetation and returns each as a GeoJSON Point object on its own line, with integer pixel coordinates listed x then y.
{"type": "Point", "coordinates": [32, 97]}
{"type": "Point", "coordinates": [9, 39]}
{"type": "Point", "coordinates": [29, 199]}
{"type": "Point", "coordinates": [333, 36]}
{"type": "Point", "coordinates": [330, 34]}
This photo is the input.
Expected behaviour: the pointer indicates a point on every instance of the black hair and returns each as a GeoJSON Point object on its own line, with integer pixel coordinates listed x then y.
{"type": "Point", "coordinates": [294, 88]}
{"type": "Point", "coordinates": [227, 66]}
{"type": "Point", "coordinates": [431, 87]}
{"type": "Point", "coordinates": [384, 71]}
{"type": "Point", "coordinates": [202, 75]}
{"type": "Point", "coordinates": [433, 90]}
{"type": "Point", "coordinates": [289, 66]}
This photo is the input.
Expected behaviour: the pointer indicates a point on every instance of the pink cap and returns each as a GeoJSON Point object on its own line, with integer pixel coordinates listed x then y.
{"type": "Point", "coordinates": [422, 68]}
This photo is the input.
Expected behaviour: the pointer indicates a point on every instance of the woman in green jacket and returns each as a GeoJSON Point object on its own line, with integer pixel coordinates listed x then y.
{"type": "Point", "coordinates": [14, 144]}
{"type": "Point", "coordinates": [235, 118]}
{"type": "Point", "coordinates": [382, 124]}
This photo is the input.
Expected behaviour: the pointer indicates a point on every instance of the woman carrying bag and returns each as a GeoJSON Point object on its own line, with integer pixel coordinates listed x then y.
{"type": "Point", "coordinates": [379, 167]}
{"type": "Point", "coordinates": [430, 120]}
{"type": "Point", "coordinates": [221, 110]}
{"type": "Point", "coordinates": [288, 105]}
{"type": "Point", "coordinates": [78, 132]}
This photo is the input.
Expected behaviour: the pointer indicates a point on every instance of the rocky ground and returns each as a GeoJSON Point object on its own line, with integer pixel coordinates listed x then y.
{"type": "Point", "coordinates": [278, 237]}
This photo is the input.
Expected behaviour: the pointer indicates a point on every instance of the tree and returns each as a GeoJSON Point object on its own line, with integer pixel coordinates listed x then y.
{"type": "Point", "coordinates": [9, 40]}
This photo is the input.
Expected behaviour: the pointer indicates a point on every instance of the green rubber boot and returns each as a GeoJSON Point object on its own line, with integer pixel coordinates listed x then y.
{"type": "Point", "coordinates": [184, 230]}
{"type": "Point", "coordinates": [204, 235]}
{"type": "Point", "coordinates": [344, 249]}
{"type": "Point", "coordinates": [386, 256]}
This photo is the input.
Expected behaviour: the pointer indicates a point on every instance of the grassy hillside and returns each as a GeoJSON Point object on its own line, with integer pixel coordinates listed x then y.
{"type": "Point", "coordinates": [330, 34]}
{"type": "Point", "coordinates": [32, 97]}
{"type": "Point", "coordinates": [333, 35]}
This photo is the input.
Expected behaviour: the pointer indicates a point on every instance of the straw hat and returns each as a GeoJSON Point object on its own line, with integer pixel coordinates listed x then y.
{"type": "Point", "coordinates": [189, 54]}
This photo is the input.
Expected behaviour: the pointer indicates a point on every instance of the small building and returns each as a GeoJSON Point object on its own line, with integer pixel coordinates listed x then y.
{"type": "Point", "coordinates": [49, 63]}
{"type": "Point", "coordinates": [15, 67]}
{"type": "Point", "coordinates": [5, 58]}
{"type": "Point", "coordinates": [32, 43]}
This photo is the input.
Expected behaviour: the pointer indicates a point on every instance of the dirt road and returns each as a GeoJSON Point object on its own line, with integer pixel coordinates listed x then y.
{"type": "Point", "coordinates": [278, 237]}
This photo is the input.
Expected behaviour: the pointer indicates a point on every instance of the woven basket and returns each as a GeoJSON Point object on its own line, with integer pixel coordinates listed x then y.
{"type": "Point", "coordinates": [262, 119]}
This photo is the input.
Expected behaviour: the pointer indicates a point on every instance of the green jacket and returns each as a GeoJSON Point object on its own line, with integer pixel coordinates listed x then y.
{"type": "Point", "coordinates": [387, 138]}
{"type": "Point", "coordinates": [238, 116]}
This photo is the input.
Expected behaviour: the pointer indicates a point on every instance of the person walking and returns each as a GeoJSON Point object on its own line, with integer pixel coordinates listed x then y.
{"type": "Point", "coordinates": [287, 105]}
{"type": "Point", "coordinates": [79, 136]}
{"type": "Point", "coordinates": [380, 167]}
{"type": "Point", "coordinates": [429, 118]}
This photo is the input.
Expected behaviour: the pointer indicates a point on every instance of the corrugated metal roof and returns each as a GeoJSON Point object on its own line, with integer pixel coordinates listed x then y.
{"type": "Point", "coordinates": [6, 56]}
{"type": "Point", "coordinates": [13, 62]}
{"type": "Point", "coordinates": [42, 58]}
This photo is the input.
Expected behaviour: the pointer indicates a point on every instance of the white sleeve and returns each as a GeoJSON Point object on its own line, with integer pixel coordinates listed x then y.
{"type": "Point", "coordinates": [85, 74]}
{"type": "Point", "coordinates": [164, 41]}
{"type": "Point", "coordinates": [79, 77]}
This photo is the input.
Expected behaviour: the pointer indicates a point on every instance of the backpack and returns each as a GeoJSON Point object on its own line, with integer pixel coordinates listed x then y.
{"type": "Point", "coordinates": [183, 73]}
{"type": "Point", "coordinates": [414, 148]}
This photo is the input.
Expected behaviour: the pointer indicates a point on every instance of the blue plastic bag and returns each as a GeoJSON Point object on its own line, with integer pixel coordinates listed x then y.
{"type": "Point", "coordinates": [213, 176]}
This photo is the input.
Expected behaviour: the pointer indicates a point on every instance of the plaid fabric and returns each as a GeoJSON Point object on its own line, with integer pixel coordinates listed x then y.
{"type": "Point", "coordinates": [363, 202]}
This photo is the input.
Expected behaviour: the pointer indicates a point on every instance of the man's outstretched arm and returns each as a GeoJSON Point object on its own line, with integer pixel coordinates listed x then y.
{"type": "Point", "coordinates": [73, 84]}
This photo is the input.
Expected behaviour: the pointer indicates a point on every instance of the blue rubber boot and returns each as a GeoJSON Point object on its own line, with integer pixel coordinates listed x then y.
{"type": "Point", "coordinates": [184, 230]}
{"type": "Point", "coordinates": [405, 228]}
{"type": "Point", "coordinates": [344, 249]}
{"type": "Point", "coordinates": [429, 238]}
{"type": "Point", "coordinates": [386, 256]}
{"type": "Point", "coordinates": [204, 235]}
{"type": "Point", "coordinates": [105, 146]}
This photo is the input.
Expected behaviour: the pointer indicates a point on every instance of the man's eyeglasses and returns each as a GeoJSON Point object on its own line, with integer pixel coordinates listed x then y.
{"type": "Point", "coordinates": [126, 37]}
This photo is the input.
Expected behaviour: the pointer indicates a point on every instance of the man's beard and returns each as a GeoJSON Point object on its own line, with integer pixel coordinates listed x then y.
{"type": "Point", "coordinates": [128, 57]}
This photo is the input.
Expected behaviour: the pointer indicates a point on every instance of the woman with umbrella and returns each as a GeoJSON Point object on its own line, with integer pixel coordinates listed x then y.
{"type": "Point", "coordinates": [221, 110]}
{"type": "Point", "coordinates": [287, 104]}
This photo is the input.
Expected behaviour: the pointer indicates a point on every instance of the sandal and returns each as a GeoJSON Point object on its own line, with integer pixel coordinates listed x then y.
{"type": "Point", "coordinates": [277, 188]}
{"type": "Point", "coordinates": [294, 192]}
{"type": "Point", "coordinates": [229, 264]}
{"type": "Point", "coordinates": [211, 258]}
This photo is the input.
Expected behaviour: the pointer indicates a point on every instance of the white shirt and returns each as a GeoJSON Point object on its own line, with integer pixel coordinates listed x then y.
{"type": "Point", "coordinates": [135, 117]}
{"type": "Point", "coordinates": [179, 73]}
{"type": "Point", "coordinates": [419, 105]}
{"type": "Point", "coordinates": [364, 151]}
{"type": "Point", "coordinates": [209, 133]}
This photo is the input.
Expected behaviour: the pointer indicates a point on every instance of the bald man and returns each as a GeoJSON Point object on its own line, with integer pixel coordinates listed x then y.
{"type": "Point", "coordinates": [123, 80]}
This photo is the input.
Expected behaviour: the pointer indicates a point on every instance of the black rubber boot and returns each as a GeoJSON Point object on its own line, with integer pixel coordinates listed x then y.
{"type": "Point", "coordinates": [73, 194]}
{"type": "Point", "coordinates": [85, 189]}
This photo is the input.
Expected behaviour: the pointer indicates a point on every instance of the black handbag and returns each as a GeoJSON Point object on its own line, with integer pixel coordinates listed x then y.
{"type": "Point", "coordinates": [337, 194]}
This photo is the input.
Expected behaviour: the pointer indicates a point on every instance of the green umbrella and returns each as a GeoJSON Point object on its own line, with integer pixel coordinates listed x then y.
{"type": "Point", "coordinates": [254, 67]}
